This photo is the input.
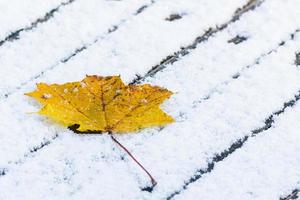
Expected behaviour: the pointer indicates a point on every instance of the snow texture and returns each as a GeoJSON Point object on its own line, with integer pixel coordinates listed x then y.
{"type": "Point", "coordinates": [265, 168]}
{"type": "Point", "coordinates": [223, 92]}
{"type": "Point", "coordinates": [18, 14]}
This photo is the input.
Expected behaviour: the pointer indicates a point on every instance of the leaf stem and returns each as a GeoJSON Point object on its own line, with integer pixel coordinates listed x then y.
{"type": "Point", "coordinates": [153, 181]}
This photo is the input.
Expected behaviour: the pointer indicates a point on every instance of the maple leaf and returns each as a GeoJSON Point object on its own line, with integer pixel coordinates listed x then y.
{"type": "Point", "coordinates": [103, 104]}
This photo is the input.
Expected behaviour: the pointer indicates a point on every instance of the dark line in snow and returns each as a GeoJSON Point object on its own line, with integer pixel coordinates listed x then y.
{"type": "Point", "coordinates": [174, 17]}
{"type": "Point", "coordinates": [297, 60]}
{"type": "Point", "coordinates": [16, 34]}
{"type": "Point", "coordinates": [76, 51]}
{"type": "Point", "coordinates": [251, 5]}
{"type": "Point", "coordinates": [42, 145]}
{"type": "Point", "coordinates": [32, 151]}
{"type": "Point", "coordinates": [141, 9]}
{"type": "Point", "coordinates": [293, 195]}
{"type": "Point", "coordinates": [110, 30]}
{"type": "Point", "coordinates": [237, 39]}
{"type": "Point", "coordinates": [3, 171]}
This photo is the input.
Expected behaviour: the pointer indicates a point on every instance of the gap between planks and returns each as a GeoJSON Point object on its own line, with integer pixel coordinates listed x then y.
{"type": "Point", "coordinates": [15, 35]}
{"type": "Point", "coordinates": [293, 195]}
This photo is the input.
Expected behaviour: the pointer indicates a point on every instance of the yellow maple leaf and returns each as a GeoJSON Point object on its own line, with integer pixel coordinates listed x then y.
{"type": "Point", "coordinates": [103, 104]}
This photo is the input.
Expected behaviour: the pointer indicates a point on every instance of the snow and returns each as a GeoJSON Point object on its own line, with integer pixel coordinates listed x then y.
{"type": "Point", "coordinates": [18, 14]}
{"type": "Point", "coordinates": [212, 109]}
{"type": "Point", "coordinates": [59, 37]}
{"type": "Point", "coordinates": [265, 168]}
{"type": "Point", "coordinates": [59, 75]}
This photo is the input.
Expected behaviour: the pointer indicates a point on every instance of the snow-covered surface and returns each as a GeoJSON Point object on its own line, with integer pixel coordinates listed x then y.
{"type": "Point", "coordinates": [114, 53]}
{"type": "Point", "coordinates": [223, 91]}
{"type": "Point", "coordinates": [53, 42]}
{"type": "Point", "coordinates": [19, 14]}
{"type": "Point", "coordinates": [265, 168]}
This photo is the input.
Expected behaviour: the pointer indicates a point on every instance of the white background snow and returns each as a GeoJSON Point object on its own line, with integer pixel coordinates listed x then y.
{"type": "Point", "coordinates": [223, 93]}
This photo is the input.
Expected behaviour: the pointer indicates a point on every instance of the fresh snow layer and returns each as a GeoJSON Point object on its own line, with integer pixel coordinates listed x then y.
{"type": "Point", "coordinates": [211, 109]}
{"type": "Point", "coordinates": [77, 166]}
{"type": "Point", "coordinates": [213, 64]}
{"type": "Point", "coordinates": [265, 168]}
{"type": "Point", "coordinates": [15, 109]}
{"type": "Point", "coordinates": [148, 37]}
{"type": "Point", "coordinates": [18, 14]}
{"type": "Point", "coordinates": [63, 35]}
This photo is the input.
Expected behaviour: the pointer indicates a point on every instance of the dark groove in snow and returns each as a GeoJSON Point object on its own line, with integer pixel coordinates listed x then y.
{"type": "Point", "coordinates": [3, 171]}
{"type": "Point", "coordinates": [293, 195]}
{"type": "Point", "coordinates": [174, 17]}
{"type": "Point", "coordinates": [75, 52]}
{"type": "Point", "coordinates": [297, 60]}
{"type": "Point", "coordinates": [237, 39]}
{"type": "Point", "coordinates": [144, 7]}
{"type": "Point", "coordinates": [42, 145]}
{"type": "Point", "coordinates": [16, 34]}
{"type": "Point", "coordinates": [251, 5]}
{"type": "Point", "coordinates": [36, 148]}
{"type": "Point", "coordinates": [141, 9]}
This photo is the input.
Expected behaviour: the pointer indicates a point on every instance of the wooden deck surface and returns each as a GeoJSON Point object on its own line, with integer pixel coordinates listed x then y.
{"type": "Point", "coordinates": [234, 67]}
